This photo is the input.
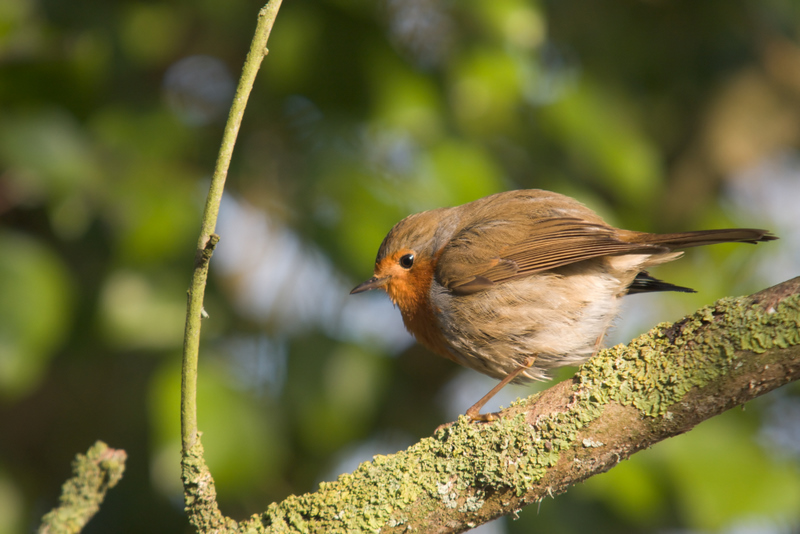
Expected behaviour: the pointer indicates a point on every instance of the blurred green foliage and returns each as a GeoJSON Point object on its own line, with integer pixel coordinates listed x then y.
{"type": "Point", "coordinates": [36, 312]}
{"type": "Point", "coordinates": [110, 119]}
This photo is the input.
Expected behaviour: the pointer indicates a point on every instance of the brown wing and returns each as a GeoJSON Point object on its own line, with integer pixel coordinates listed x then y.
{"type": "Point", "coordinates": [514, 251]}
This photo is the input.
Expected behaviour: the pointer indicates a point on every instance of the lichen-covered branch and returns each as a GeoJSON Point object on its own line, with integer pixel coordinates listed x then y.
{"type": "Point", "coordinates": [623, 400]}
{"type": "Point", "coordinates": [93, 475]}
{"type": "Point", "coordinates": [200, 494]}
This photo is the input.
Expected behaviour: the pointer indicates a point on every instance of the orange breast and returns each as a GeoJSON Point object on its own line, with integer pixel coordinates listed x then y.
{"type": "Point", "coordinates": [425, 327]}
{"type": "Point", "coordinates": [411, 296]}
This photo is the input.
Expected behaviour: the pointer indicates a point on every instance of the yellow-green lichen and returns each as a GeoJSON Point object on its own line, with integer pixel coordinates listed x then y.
{"type": "Point", "coordinates": [657, 369]}
{"type": "Point", "coordinates": [452, 468]}
{"type": "Point", "coordinates": [94, 473]}
{"type": "Point", "coordinates": [461, 463]}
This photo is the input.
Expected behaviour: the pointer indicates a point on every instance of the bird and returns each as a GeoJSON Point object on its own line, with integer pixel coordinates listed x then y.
{"type": "Point", "coordinates": [516, 284]}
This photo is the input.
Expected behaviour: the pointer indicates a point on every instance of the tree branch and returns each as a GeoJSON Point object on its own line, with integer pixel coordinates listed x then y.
{"type": "Point", "coordinates": [95, 473]}
{"type": "Point", "coordinates": [625, 399]}
{"type": "Point", "coordinates": [200, 495]}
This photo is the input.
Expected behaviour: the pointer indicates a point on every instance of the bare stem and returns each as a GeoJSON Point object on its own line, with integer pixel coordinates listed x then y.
{"type": "Point", "coordinates": [207, 240]}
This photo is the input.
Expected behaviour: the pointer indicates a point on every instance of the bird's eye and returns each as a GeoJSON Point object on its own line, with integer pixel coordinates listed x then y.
{"type": "Point", "coordinates": [407, 261]}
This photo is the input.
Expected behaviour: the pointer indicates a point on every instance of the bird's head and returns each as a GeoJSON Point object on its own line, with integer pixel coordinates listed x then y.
{"type": "Point", "coordinates": [406, 260]}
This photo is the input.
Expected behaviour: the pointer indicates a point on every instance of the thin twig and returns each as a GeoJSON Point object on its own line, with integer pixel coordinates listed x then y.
{"type": "Point", "coordinates": [207, 240]}
{"type": "Point", "coordinates": [199, 491]}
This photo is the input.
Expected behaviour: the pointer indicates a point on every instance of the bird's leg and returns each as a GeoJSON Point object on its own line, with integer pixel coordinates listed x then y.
{"type": "Point", "coordinates": [474, 411]}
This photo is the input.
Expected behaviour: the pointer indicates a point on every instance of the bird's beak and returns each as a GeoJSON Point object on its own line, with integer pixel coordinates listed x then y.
{"type": "Point", "coordinates": [372, 283]}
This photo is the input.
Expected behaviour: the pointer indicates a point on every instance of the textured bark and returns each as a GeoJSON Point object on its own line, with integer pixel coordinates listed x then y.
{"type": "Point", "coordinates": [625, 399]}
{"type": "Point", "coordinates": [94, 473]}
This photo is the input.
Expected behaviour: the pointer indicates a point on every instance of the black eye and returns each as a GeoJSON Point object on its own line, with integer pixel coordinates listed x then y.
{"type": "Point", "coordinates": [407, 261]}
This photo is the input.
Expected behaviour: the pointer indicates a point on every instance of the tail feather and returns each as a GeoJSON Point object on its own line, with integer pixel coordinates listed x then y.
{"type": "Point", "coordinates": [644, 283]}
{"type": "Point", "coordinates": [700, 237]}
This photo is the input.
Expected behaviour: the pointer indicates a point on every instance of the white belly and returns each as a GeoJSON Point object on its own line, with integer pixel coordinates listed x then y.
{"type": "Point", "coordinates": [558, 317]}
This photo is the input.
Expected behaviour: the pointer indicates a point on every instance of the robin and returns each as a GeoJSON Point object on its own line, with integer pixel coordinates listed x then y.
{"type": "Point", "coordinates": [518, 283]}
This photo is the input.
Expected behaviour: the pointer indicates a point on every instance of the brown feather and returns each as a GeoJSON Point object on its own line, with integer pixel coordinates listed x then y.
{"type": "Point", "coordinates": [548, 243]}
{"type": "Point", "coordinates": [552, 242]}
{"type": "Point", "coordinates": [699, 238]}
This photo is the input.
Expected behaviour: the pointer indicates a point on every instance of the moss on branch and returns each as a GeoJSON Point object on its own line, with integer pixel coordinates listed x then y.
{"type": "Point", "coordinates": [625, 399]}
{"type": "Point", "coordinates": [94, 473]}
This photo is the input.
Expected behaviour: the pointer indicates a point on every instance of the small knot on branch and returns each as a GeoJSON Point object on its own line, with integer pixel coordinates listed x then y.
{"type": "Point", "coordinates": [204, 255]}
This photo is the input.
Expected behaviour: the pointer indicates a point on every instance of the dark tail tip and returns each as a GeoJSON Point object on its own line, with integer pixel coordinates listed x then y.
{"type": "Point", "coordinates": [644, 283]}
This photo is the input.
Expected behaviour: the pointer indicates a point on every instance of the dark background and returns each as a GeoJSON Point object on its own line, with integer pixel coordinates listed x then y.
{"type": "Point", "coordinates": [661, 115]}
